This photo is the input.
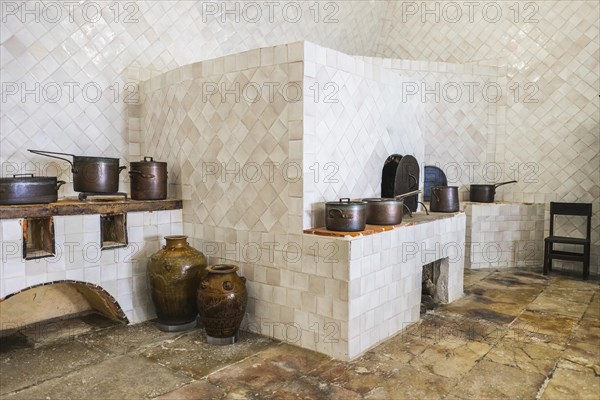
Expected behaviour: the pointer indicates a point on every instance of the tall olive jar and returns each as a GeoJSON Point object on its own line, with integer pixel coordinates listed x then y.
{"type": "Point", "coordinates": [174, 273]}
{"type": "Point", "coordinates": [222, 299]}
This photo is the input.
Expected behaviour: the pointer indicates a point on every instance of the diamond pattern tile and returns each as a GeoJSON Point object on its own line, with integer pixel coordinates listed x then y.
{"type": "Point", "coordinates": [547, 131]}
{"type": "Point", "coordinates": [229, 145]}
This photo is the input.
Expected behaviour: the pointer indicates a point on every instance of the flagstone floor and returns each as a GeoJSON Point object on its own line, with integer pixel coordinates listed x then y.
{"type": "Point", "coordinates": [514, 335]}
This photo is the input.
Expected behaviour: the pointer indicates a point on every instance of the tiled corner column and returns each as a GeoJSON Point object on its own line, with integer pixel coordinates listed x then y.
{"type": "Point", "coordinates": [504, 235]}
{"type": "Point", "coordinates": [385, 277]}
{"type": "Point", "coordinates": [120, 271]}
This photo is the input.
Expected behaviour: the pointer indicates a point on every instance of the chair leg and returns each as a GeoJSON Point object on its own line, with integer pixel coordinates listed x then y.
{"type": "Point", "coordinates": [546, 257]}
{"type": "Point", "coordinates": [586, 261]}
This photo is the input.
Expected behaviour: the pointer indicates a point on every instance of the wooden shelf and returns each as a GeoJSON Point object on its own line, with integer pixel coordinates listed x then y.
{"type": "Point", "coordinates": [72, 206]}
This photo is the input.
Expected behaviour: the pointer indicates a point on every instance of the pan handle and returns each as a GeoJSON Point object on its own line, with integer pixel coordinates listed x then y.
{"type": "Point", "coordinates": [407, 209]}
{"type": "Point", "coordinates": [131, 172]}
{"type": "Point", "coordinates": [503, 183]}
{"type": "Point", "coordinates": [342, 215]}
{"type": "Point", "coordinates": [122, 168]}
{"type": "Point", "coordinates": [47, 154]}
{"type": "Point", "coordinates": [401, 196]}
{"type": "Point", "coordinates": [433, 191]}
{"type": "Point", "coordinates": [59, 184]}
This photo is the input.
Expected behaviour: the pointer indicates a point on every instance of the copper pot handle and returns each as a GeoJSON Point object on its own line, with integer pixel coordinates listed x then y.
{"type": "Point", "coordinates": [147, 157]}
{"type": "Point", "coordinates": [47, 154]}
{"type": "Point", "coordinates": [141, 174]}
{"type": "Point", "coordinates": [342, 215]}
{"type": "Point", "coordinates": [59, 184]}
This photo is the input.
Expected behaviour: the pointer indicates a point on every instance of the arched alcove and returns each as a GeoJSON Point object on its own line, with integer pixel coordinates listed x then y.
{"type": "Point", "coordinates": [54, 300]}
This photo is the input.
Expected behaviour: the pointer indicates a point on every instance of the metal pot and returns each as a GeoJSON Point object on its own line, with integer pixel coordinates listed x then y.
{"type": "Point", "coordinates": [485, 193]}
{"type": "Point", "coordinates": [91, 174]}
{"type": "Point", "coordinates": [444, 199]}
{"type": "Point", "coordinates": [346, 215]}
{"type": "Point", "coordinates": [27, 189]}
{"type": "Point", "coordinates": [148, 179]}
{"type": "Point", "coordinates": [386, 210]}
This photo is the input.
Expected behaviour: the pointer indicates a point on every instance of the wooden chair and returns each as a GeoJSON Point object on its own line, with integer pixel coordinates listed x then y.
{"type": "Point", "coordinates": [580, 209]}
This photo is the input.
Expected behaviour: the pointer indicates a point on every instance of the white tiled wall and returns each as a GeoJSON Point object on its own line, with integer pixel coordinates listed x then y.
{"type": "Point", "coordinates": [385, 277]}
{"type": "Point", "coordinates": [546, 53]}
{"type": "Point", "coordinates": [120, 271]}
{"type": "Point", "coordinates": [358, 119]}
{"type": "Point", "coordinates": [50, 45]}
{"type": "Point", "coordinates": [504, 235]}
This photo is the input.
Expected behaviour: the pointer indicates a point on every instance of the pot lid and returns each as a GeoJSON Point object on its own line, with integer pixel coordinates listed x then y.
{"type": "Point", "coordinates": [346, 201]}
{"type": "Point", "coordinates": [384, 200]}
{"type": "Point", "coordinates": [30, 179]}
{"type": "Point", "coordinates": [148, 160]}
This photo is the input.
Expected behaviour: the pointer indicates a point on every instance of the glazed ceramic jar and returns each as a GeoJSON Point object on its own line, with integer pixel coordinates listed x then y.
{"type": "Point", "coordinates": [222, 299]}
{"type": "Point", "coordinates": [174, 273]}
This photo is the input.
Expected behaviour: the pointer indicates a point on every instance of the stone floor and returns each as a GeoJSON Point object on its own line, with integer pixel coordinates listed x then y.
{"type": "Point", "coordinates": [514, 335]}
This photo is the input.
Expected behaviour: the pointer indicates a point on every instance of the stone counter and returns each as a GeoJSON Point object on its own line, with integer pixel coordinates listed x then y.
{"type": "Point", "coordinates": [345, 295]}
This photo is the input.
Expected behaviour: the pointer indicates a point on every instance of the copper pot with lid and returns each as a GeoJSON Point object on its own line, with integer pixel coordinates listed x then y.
{"type": "Point", "coordinates": [148, 179]}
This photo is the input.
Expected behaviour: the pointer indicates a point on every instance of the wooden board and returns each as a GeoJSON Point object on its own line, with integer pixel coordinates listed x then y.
{"type": "Point", "coordinates": [369, 230]}
{"type": "Point", "coordinates": [72, 206]}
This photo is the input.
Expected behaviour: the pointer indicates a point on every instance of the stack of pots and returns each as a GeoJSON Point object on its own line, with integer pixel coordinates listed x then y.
{"type": "Point", "coordinates": [148, 179]}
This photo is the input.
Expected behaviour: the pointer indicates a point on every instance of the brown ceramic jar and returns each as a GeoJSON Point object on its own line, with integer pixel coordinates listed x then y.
{"type": "Point", "coordinates": [222, 299]}
{"type": "Point", "coordinates": [174, 273]}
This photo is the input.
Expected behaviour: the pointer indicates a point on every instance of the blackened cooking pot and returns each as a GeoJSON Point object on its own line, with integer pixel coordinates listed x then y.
{"type": "Point", "coordinates": [91, 174]}
{"type": "Point", "coordinates": [345, 215]}
{"type": "Point", "coordinates": [148, 179]}
{"type": "Point", "coordinates": [27, 189]}
{"type": "Point", "coordinates": [444, 199]}
{"type": "Point", "coordinates": [485, 193]}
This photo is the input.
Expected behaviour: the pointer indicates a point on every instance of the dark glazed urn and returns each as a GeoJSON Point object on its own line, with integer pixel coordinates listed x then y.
{"type": "Point", "coordinates": [222, 299]}
{"type": "Point", "coordinates": [174, 273]}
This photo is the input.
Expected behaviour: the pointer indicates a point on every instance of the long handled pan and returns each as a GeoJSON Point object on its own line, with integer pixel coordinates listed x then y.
{"type": "Point", "coordinates": [90, 174]}
{"type": "Point", "coordinates": [485, 193]}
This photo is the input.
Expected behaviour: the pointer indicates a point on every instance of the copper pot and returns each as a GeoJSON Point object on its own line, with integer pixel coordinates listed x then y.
{"type": "Point", "coordinates": [485, 193]}
{"type": "Point", "coordinates": [27, 189]}
{"type": "Point", "coordinates": [444, 199]}
{"type": "Point", "coordinates": [90, 174]}
{"type": "Point", "coordinates": [148, 179]}
{"type": "Point", "coordinates": [346, 215]}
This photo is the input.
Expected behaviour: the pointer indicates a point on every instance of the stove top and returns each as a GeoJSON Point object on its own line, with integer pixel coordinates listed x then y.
{"type": "Point", "coordinates": [91, 196]}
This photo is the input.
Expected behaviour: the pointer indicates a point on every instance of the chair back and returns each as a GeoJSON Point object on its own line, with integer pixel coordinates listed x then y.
{"type": "Point", "coordinates": [581, 209]}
